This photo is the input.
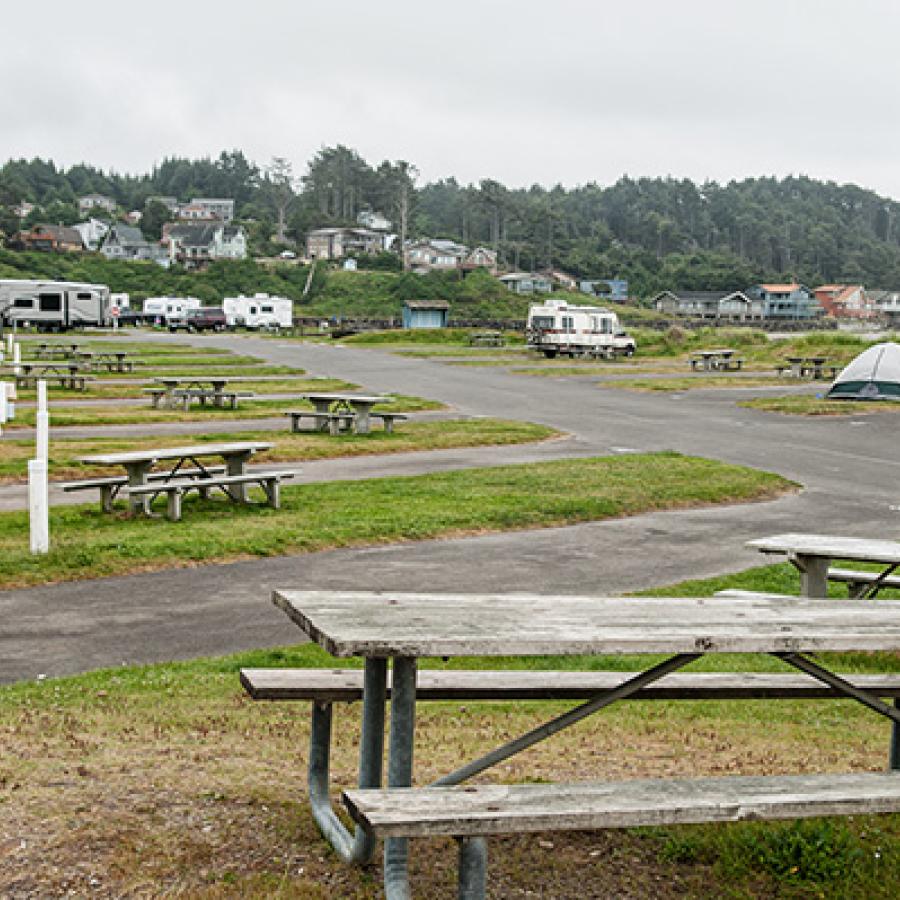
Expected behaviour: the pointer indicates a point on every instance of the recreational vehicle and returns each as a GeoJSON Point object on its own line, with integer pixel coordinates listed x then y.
{"type": "Point", "coordinates": [555, 328]}
{"type": "Point", "coordinates": [53, 305]}
{"type": "Point", "coordinates": [160, 309]}
{"type": "Point", "coordinates": [259, 311]}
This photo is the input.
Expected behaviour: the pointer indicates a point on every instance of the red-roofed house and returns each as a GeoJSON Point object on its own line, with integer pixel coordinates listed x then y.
{"type": "Point", "coordinates": [848, 301]}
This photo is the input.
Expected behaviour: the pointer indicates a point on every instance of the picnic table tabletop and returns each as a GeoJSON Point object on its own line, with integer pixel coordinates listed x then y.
{"type": "Point", "coordinates": [356, 623]}
{"type": "Point", "coordinates": [159, 453]}
{"type": "Point", "coordinates": [719, 352]}
{"type": "Point", "coordinates": [347, 397]}
{"type": "Point", "coordinates": [830, 547]}
{"type": "Point", "coordinates": [206, 379]}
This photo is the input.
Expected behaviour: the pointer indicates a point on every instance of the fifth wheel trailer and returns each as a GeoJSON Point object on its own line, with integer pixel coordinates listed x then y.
{"type": "Point", "coordinates": [259, 311]}
{"type": "Point", "coordinates": [54, 305]}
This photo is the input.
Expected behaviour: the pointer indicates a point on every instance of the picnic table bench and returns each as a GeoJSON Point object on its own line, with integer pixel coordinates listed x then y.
{"type": "Point", "coordinates": [113, 361]}
{"type": "Point", "coordinates": [45, 350]}
{"type": "Point", "coordinates": [712, 360]}
{"type": "Point", "coordinates": [170, 394]}
{"type": "Point", "coordinates": [403, 627]}
{"type": "Point", "coordinates": [807, 366]}
{"type": "Point", "coordinates": [69, 375]}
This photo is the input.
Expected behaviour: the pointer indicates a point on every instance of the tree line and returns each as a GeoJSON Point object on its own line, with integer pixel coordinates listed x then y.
{"type": "Point", "coordinates": [656, 232]}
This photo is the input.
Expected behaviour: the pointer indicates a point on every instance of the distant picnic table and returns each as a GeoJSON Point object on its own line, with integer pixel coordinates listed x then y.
{"type": "Point", "coordinates": [487, 339]}
{"type": "Point", "coordinates": [66, 374]}
{"type": "Point", "coordinates": [355, 409]}
{"type": "Point", "coordinates": [807, 367]}
{"type": "Point", "coordinates": [189, 470]}
{"type": "Point", "coordinates": [712, 360]}
{"type": "Point", "coordinates": [174, 392]}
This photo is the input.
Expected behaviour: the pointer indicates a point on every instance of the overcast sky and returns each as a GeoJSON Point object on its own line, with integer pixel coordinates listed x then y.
{"type": "Point", "coordinates": [524, 92]}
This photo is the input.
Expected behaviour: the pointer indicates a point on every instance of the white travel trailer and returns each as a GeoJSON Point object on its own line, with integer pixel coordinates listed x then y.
{"type": "Point", "coordinates": [555, 328]}
{"type": "Point", "coordinates": [53, 305]}
{"type": "Point", "coordinates": [258, 311]}
{"type": "Point", "coordinates": [161, 309]}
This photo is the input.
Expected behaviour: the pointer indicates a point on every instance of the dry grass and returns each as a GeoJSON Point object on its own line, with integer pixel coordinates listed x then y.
{"type": "Point", "coordinates": [183, 787]}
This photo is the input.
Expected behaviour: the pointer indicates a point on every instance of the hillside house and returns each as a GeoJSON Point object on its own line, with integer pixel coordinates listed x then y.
{"type": "Point", "coordinates": [195, 244]}
{"type": "Point", "coordinates": [527, 283]}
{"type": "Point", "coordinates": [96, 201]}
{"type": "Point", "coordinates": [92, 233]}
{"type": "Point", "coordinates": [220, 207]}
{"type": "Point", "coordinates": [50, 238]}
{"type": "Point", "coordinates": [845, 301]}
{"type": "Point", "coordinates": [480, 258]}
{"type": "Point", "coordinates": [434, 256]}
{"type": "Point", "coordinates": [374, 220]}
{"type": "Point", "coordinates": [786, 301]}
{"type": "Point", "coordinates": [170, 203]}
{"type": "Point", "coordinates": [613, 289]}
{"type": "Point", "coordinates": [126, 242]}
{"type": "Point", "coordinates": [336, 243]}
{"type": "Point", "coordinates": [425, 313]}
{"type": "Point", "coordinates": [733, 306]}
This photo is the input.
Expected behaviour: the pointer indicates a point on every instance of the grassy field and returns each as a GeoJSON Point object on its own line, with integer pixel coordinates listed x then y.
{"type": "Point", "coordinates": [86, 543]}
{"type": "Point", "coordinates": [287, 446]}
{"type": "Point", "coordinates": [166, 780]}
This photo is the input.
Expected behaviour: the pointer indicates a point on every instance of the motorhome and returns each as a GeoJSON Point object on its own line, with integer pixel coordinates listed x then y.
{"type": "Point", "coordinates": [555, 328]}
{"type": "Point", "coordinates": [160, 309]}
{"type": "Point", "coordinates": [258, 311]}
{"type": "Point", "coordinates": [53, 305]}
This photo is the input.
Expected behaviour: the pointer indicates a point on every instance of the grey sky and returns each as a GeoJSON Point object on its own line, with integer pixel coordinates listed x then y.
{"type": "Point", "coordinates": [522, 91]}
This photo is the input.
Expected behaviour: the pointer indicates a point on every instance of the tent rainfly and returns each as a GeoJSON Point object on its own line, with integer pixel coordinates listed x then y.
{"type": "Point", "coordinates": [873, 375]}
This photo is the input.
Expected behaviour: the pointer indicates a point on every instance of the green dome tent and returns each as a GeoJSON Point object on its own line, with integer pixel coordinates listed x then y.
{"type": "Point", "coordinates": [873, 375]}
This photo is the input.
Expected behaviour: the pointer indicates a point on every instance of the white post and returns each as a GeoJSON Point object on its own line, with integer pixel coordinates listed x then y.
{"type": "Point", "coordinates": [9, 343]}
{"type": "Point", "coordinates": [16, 357]}
{"type": "Point", "coordinates": [38, 506]}
{"type": "Point", "coordinates": [3, 415]}
{"type": "Point", "coordinates": [42, 423]}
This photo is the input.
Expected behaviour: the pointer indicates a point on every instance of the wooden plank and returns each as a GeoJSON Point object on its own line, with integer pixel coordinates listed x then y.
{"type": "Point", "coordinates": [854, 576]}
{"type": "Point", "coordinates": [505, 809]}
{"type": "Point", "coordinates": [832, 547]}
{"type": "Point", "coordinates": [359, 623]}
{"type": "Point", "coordinates": [346, 685]}
{"type": "Point", "coordinates": [115, 459]}
{"type": "Point", "coordinates": [216, 481]}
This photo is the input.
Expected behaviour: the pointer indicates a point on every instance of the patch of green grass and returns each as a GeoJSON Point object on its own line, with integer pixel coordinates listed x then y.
{"type": "Point", "coordinates": [818, 406]}
{"type": "Point", "coordinates": [87, 543]}
{"type": "Point", "coordinates": [708, 380]}
{"type": "Point", "coordinates": [287, 446]}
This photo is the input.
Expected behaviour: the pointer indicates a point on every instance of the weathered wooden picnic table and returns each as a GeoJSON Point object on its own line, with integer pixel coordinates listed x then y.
{"type": "Point", "coordinates": [812, 555]}
{"type": "Point", "coordinates": [405, 627]}
{"type": "Point", "coordinates": [710, 360]}
{"type": "Point", "coordinates": [181, 391]}
{"type": "Point", "coordinates": [807, 366]}
{"type": "Point", "coordinates": [112, 360]}
{"type": "Point", "coordinates": [356, 406]}
{"type": "Point", "coordinates": [138, 465]}
{"type": "Point", "coordinates": [487, 339]}
{"type": "Point", "coordinates": [46, 350]}
{"type": "Point", "coordinates": [66, 374]}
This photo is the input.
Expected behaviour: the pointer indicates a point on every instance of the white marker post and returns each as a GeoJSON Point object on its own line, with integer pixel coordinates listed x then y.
{"type": "Point", "coordinates": [38, 506]}
{"type": "Point", "coordinates": [9, 343]}
{"type": "Point", "coordinates": [42, 423]}
{"type": "Point", "coordinates": [16, 358]}
{"type": "Point", "coordinates": [3, 403]}
{"type": "Point", "coordinates": [38, 491]}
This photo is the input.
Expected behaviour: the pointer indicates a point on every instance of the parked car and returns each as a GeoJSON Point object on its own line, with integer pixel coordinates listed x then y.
{"type": "Point", "coordinates": [205, 318]}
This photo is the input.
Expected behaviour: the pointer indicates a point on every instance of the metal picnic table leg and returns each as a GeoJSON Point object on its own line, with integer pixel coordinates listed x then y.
{"type": "Point", "coordinates": [400, 761]}
{"type": "Point", "coordinates": [358, 847]}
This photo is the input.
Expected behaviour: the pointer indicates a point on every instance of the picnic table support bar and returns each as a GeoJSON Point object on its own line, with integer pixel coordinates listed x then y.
{"type": "Point", "coordinates": [472, 868]}
{"type": "Point", "coordinates": [358, 847]}
{"type": "Point", "coordinates": [542, 732]}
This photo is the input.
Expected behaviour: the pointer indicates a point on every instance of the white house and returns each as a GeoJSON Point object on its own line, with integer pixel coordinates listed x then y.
{"type": "Point", "coordinates": [435, 255]}
{"type": "Point", "coordinates": [527, 283]}
{"type": "Point", "coordinates": [96, 201]}
{"type": "Point", "coordinates": [194, 244]}
{"type": "Point", "coordinates": [374, 220]}
{"type": "Point", "coordinates": [208, 208]}
{"type": "Point", "coordinates": [92, 233]}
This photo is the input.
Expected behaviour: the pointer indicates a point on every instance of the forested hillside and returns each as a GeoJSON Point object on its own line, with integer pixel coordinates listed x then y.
{"type": "Point", "coordinates": [657, 232]}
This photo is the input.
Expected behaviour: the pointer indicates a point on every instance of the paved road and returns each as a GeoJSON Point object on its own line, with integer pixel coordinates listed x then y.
{"type": "Point", "coordinates": [848, 466]}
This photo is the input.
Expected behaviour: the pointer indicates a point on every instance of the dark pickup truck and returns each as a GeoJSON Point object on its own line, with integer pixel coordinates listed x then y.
{"type": "Point", "coordinates": [206, 318]}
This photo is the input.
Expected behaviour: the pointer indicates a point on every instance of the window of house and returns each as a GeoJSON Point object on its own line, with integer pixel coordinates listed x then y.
{"type": "Point", "coordinates": [50, 302]}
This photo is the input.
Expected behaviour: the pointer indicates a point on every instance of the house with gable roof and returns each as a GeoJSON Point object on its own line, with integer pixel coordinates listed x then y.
{"type": "Point", "coordinates": [786, 301]}
{"type": "Point", "coordinates": [845, 301]}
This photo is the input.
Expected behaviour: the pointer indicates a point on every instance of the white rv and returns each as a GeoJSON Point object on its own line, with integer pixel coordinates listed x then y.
{"type": "Point", "coordinates": [555, 328]}
{"type": "Point", "coordinates": [160, 309]}
{"type": "Point", "coordinates": [258, 311]}
{"type": "Point", "coordinates": [54, 305]}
